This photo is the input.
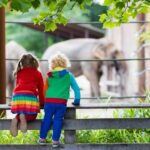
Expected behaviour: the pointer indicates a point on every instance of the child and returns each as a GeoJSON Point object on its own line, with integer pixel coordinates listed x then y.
{"type": "Point", "coordinates": [29, 85]}
{"type": "Point", "coordinates": [57, 93]}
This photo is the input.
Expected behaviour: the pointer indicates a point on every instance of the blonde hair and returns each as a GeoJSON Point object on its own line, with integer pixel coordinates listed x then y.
{"type": "Point", "coordinates": [59, 60]}
{"type": "Point", "coordinates": [27, 60]}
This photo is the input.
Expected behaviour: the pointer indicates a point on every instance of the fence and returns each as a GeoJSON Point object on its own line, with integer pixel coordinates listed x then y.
{"type": "Point", "coordinates": [71, 124]}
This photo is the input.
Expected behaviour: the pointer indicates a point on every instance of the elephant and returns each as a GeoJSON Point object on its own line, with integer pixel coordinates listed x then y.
{"type": "Point", "coordinates": [87, 49]}
{"type": "Point", "coordinates": [13, 51]}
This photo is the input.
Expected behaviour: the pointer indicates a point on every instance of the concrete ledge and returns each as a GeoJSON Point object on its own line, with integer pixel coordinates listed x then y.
{"type": "Point", "coordinates": [79, 147]}
{"type": "Point", "coordinates": [85, 124]}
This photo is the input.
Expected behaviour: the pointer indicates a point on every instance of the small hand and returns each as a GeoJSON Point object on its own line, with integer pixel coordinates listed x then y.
{"type": "Point", "coordinates": [75, 104]}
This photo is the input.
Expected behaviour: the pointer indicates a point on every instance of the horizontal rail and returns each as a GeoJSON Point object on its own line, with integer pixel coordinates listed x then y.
{"type": "Point", "coordinates": [79, 147]}
{"type": "Point", "coordinates": [97, 106]}
{"type": "Point", "coordinates": [90, 124]}
{"type": "Point", "coordinates": [74, 60]}
{"type": "Point", "coordinates": [93, 22]}
{"type": "Point", "coordinates": [106, 97]}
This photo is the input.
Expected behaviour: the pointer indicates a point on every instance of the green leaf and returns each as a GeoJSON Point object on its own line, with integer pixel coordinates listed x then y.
{"type": "Point", "coordinates": [35, 3]}
{"type": "Point", "coordinates": [124, 19]}
{"type": "Point", "coordinates": [107, 2]}
{"type": "Point", "coordinates": [21, 5]}
{"type": "Point", "coordinates": [63, 20]}
{"type": "Point", "coordinates": [111, 12]}
{"type": "Point", "coordinates": [44, 14]}
{"type": "Point", "coordinates": [82, 6]}
{"type": "Point", "coordinates": [52, 6]}
{"type": "Point", "coordinates": [110, 24]}
{"type": "Point", "coordinates": [48, 2]}
{"type": "Point", "coordinates": [134, 13]}
{"type": "Point", "coordinates": [60, 5]}
{"type": "Point", "coordinates": [3, 2]}
{"type": "Point", "coordinates": [80, 1]}
{"type": "Point", "coordinates": [102, 17]}
{"type": "Point", "coordinates": [50, 26]}
{"type": "Point", "coordinates": [120, 5]}
{"type": "Point", "coordinates": [88, 2]}
{"type": "Point", "coordinates": [35, 20]}
{"type": "Point", "coordinates": [143, 9]}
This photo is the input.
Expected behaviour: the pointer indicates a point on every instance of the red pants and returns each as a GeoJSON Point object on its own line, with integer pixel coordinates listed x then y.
{"type": "Point", "coordinates": [29, 118]}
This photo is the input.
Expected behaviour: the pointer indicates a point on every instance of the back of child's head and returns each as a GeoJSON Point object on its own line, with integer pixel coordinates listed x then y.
{"type": "Point", "coordinates": [59, 60]}
{"type": "Point", "coordinates": [27, 60]}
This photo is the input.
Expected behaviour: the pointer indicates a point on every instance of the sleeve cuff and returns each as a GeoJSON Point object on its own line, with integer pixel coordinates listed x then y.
{"type": "Point", "coordinates": [77, 101]}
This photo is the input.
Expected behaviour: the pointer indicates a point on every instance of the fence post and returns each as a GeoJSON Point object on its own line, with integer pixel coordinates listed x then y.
{"type": "Point", "coordinates": [2, 58]}
{"type": "Point", "coordinates": [70, 135]}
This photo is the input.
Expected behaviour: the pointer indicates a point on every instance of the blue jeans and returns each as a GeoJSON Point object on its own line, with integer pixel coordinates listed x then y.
{"type": "Point", "coordinates": [53, 113]}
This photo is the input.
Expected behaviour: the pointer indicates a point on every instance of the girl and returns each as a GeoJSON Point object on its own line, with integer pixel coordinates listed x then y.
{"type": "Point", "coordinates": [57, 93]}
{"type": "Point", "coordinates": [29, 85]}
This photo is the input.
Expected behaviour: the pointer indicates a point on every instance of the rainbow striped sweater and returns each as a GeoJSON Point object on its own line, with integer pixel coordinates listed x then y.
{"type": "Point", "coordinates": [59, 83]}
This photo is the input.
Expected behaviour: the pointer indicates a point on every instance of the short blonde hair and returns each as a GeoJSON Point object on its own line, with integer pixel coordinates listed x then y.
{"type": "Point", "coordinates": [59, 60]}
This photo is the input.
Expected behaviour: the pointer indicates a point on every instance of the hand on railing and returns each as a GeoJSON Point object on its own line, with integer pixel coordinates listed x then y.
{"type": "Point", "coordinates": [75, 104]}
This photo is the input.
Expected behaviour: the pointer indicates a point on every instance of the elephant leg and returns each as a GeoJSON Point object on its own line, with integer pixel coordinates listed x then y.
{"type": "Point", "coordinates": [92, 92]}
{"type": "Point", "coordinates": [122, 84]}
{"type": "Point", "coordinates": [94, 82]}
{"type": "Point", "coordinates": [110, 75]}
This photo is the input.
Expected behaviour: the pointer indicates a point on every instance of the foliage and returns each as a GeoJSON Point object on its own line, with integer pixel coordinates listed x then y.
{"type": "Point", "coordinates": [123, 10]}
{"type": "Point", "coordinates": [113, 136]}
{"type": "Point", "coordinates": [120, 10]}
{"type": "Point", "coordinates": [84, 136]}
{"type": "Point", "coordinates": [134, 113]}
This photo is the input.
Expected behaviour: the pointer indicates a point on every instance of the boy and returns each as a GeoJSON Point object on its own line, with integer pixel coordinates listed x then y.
{"type": "Point", "coordinates": [58, 85]}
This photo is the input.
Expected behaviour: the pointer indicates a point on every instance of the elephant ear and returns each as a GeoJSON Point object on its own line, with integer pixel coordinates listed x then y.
{"type": "Point", "coordinates": [110, 48]}
{"type": "Point", "coordinates": [103, 49]}
{"type": "Point", "coordinates": [99, 51]}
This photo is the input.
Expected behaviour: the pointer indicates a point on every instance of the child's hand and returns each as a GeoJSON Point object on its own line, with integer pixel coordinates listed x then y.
{"type": "Point", "coordinates": [76, 104]}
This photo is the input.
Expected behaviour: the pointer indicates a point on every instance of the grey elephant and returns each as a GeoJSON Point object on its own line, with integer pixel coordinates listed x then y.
{"type": "Point", "coordinates": [87, 49]}
{"type": "Point", "coordinates": [13, 51]}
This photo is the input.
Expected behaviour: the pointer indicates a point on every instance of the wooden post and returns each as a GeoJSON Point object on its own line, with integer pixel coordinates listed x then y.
{"type": "Point", "coordinates": [2, 57]}
{"type": "Point", "coordinates": [70, 135]}
{"type": "Point", "coordinates": [141, 65]}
